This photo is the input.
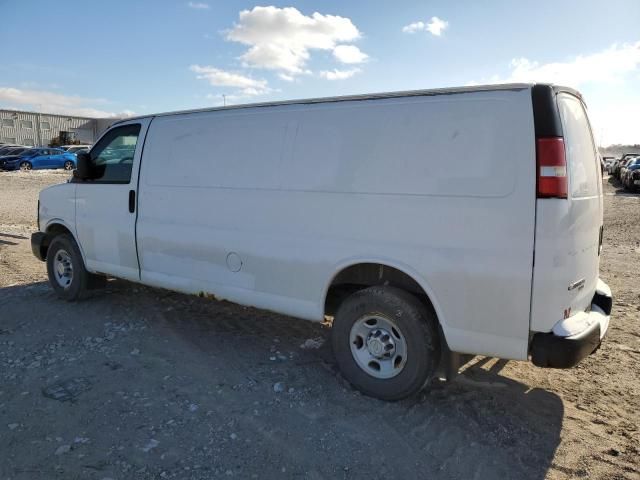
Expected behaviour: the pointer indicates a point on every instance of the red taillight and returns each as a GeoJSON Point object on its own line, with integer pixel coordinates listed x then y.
{"type": "Point", "coordinates": [552, 168]}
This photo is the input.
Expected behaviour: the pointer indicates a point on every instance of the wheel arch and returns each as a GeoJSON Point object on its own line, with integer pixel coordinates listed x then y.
{"type": "Point", "coordinates": [356, 274]}
{"type": "Point", "coordinates": [57, 226]}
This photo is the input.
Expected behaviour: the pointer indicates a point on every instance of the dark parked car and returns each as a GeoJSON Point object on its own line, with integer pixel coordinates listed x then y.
{"type": "Point", "coordinates": [5, 148]}
{"type": "Point", "coordinates": [623, 167]}
{"type": "Point", "coordinates": [631, 175]}
{"type": "Point", "coordinates": [13, 150]}
{"type": "Point", "coordinates": [622, 162]}
{"type": "Point", "coordinates": [39, 158]}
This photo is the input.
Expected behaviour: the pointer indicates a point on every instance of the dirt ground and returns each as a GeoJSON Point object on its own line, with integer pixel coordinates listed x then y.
{"type": "Point", "coordinates": [141, 383]}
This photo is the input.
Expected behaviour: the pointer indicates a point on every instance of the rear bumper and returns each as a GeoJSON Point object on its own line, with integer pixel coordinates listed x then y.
{"type": "Point", "coordinates": [576, 337]}
{"type": "Point", "coordinates": [39, 245]}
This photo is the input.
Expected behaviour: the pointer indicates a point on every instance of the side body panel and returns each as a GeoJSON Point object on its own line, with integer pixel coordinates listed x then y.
{"type": "Point", "coordinates": [264, 206]}
{"type": "Point", "coordinates": [41, 160]}
{"type": "Point", "coordinates": [58, 158]}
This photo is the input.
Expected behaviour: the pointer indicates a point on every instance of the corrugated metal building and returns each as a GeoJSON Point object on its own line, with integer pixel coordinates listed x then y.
{"type": "Point", "coordinates": [32, 128]}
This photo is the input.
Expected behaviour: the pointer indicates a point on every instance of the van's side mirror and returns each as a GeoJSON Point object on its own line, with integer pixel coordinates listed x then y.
{"type": "Point", "coordinates": [83, 166]}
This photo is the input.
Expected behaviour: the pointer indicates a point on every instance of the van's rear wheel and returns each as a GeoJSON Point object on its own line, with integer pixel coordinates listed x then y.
{"type": "Point", "coordinates": [386, 342]}
{"type": "Point", "coordinates": [65, 268]}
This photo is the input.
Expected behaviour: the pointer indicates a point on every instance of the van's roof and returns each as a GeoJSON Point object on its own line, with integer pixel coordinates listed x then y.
{"type": "Point", "coordinates": [366, 96]}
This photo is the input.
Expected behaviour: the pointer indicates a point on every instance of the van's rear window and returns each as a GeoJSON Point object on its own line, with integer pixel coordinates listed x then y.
{"type": "Point", "coordinates": [580, 149]}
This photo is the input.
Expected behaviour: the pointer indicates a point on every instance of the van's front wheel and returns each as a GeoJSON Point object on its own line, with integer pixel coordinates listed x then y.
{"type": "Point", "coordinates": [65, 268]}
{"type": "Point", "coordinates": [386, 342]}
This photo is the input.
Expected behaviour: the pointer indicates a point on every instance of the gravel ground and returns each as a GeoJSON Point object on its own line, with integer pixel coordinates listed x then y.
{"type": "Point", "coordinates": [143, 383]}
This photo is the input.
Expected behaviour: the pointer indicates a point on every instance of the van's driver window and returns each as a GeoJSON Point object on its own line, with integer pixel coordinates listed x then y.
{"type": "Point", "coordinates": [112, 157]}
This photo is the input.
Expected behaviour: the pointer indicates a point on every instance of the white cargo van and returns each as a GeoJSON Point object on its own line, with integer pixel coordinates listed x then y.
{"type": "Point", "coordinates": [430, 225]}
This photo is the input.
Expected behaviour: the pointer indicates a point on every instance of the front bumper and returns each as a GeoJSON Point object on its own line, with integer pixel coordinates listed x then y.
{"type": "Point", "coordinates": [39, 245]}
{"type": "Point", "coordinates": [9, 164]}
{"type": "Point", "coordinates": [564, 347]}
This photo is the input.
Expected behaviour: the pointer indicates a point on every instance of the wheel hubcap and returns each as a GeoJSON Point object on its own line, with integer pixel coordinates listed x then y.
{"type": "Point", "coordinates": [378, 346]}
{"type": "Point", "coordinates": [68, 165]}
{"type": "Point", "coordinates": [63, 268]}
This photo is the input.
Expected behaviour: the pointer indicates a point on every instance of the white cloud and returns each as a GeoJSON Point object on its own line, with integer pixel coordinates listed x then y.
{"type": "Point", "coordinates": [286, 78]}
{"type": "Point", "coordinates": [282, 38]}
{"type": "Point", "coordinates": [349, 54]}
{"type": "Point", "coordinates": [435, 26]}
{"type": "Point", "coordinates": [52, 102]}
{"type": "Point", "coordinates": [240, 87]}
{"type": "Point", "coordinates": [216, 77]}
{"type": "Point", "coordinates": [607, 66]}
{"type": "Point", "coordinates": [607, 78]}
{"type": "Point", "coordinates": [414, 27]}
{"type": "Point", "coordinates": [198, 5]}
{"type": "Point", "coordinates": [336, 74]}
{"type": "Point", "coordinates": [615, 121]}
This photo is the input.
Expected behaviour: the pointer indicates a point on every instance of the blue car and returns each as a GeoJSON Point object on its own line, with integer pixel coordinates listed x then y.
{"type": "Point", "coordinates": [39, 158]}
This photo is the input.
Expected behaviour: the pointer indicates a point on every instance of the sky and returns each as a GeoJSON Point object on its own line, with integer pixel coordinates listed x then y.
{"type": "Point", "coordinates": [136, 57]}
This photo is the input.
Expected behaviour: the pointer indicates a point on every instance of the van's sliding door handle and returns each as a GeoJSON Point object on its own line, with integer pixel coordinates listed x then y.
{"type": "Point", "coordinates": [132, 201]}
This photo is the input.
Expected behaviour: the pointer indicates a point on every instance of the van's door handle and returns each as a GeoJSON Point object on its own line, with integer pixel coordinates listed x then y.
{"type": "Point", "coordinates": [132, 201]}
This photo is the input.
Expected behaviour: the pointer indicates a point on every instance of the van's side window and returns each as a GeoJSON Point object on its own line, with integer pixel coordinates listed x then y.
{"type": "Point", "coordinates": [112, 156]}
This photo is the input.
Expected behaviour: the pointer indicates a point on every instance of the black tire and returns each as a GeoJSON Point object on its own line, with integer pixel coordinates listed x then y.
{"type": "Point", "coordinates": [79, 283]}
{"type": "Point", "coordinates": [25, 166]}
{"type": "Point", "coordinates": [418, 326]}
{"type": "Point", "coordinates": [68, 165]}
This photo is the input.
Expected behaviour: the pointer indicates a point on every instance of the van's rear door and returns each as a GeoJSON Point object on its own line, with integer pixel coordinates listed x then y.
{"type": "Point", "coordinates": [569, 226]}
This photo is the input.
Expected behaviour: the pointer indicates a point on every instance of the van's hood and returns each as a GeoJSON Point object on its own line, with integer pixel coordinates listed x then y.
{"type": "Point", "coordinates": [51, 196]}
{"type": "Point", "coordinates": [56, 190]}
{"type": "Point", "coordinates": [58, 202]}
